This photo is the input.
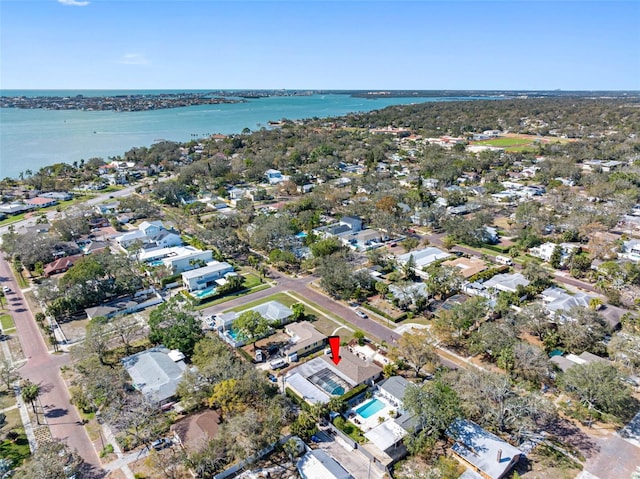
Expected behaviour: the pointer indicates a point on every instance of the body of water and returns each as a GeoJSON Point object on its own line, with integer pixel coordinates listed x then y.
{"type": "Point", "coordinates": [31, 139]}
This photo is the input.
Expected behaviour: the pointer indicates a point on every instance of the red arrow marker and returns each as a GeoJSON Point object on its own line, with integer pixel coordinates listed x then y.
{"type": "Point", "coordinates": [334, 343]}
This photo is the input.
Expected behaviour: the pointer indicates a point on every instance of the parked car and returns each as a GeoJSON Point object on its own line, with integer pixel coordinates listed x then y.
{"type": "Point", "coordinates": [160, 444]}
{"type": "Point", "coordinates": [362, 314]}
{"type": "Point", "coordinates": [6, 289]}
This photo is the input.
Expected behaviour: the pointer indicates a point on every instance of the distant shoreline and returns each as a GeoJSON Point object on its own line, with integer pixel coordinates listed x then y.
{"type": "Point", "coordinates": [125, 102]}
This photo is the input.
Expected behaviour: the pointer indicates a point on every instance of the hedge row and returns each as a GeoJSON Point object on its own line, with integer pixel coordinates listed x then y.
{"type": "Point", "coordinates": [488, 273]}
{"type": "Point", "coordinates": [372, 308]}
{"type": "Point", "coordinates": [354, 392]}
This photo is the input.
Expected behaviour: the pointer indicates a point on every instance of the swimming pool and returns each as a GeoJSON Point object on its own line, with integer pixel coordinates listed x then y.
{"type": "Point", "coordinates": [203, 293]}
{"type": "Point", "coordinates": [233, 334]}
{"type": "Point", "coordinates": [156, 262]}
{"type": "Point", "coordinates": [369, 409]}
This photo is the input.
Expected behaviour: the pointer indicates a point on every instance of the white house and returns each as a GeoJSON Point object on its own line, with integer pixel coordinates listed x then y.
{"type": "Point", "coordinates": [422, 258]}
{"type": "Point", "coordinates": [177, 258]}
{"type": "Point", "coordinates": [632, 250]}
{"type": "Point", "coordinates": [202, 278]}
{"type": "Point", "coordinates": [156, 373]}
{"type": "Point", "coordinates": [150, 233]}
{"type": "Point", "coordinates": [506, 282]}
{"type": "Point", "coordinates": [483, 452]}
{"type": "Point", "coordinates": [545, 250]}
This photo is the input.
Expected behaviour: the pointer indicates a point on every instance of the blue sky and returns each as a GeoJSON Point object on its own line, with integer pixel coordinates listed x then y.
{"type": "Point", "coordinates": [208, 44]}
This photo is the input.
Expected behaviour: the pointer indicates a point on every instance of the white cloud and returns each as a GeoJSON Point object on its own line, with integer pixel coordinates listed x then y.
{"type": "Point", "coordinates": [134, 59]}
{"type": "Point", "coordinates": [74, 3]}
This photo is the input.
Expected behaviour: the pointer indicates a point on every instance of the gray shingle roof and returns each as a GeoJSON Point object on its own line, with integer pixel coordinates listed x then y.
{"type": "Point", "coordinates": [395, 386]}
{"type": "Point", "coordinates": [154, 373]}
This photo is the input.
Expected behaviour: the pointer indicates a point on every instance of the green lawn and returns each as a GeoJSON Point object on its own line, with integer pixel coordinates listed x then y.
{"type": "Point", "coordinates": [17, 450]}
{"type": "Point", "coordinates": [237, 294]}
{"type": "Point", "coordinates": [280, 297]}
{"type": "Point", "coordinates": [7, 322]}
{"type": "Point", "coordinates": [508, 142]}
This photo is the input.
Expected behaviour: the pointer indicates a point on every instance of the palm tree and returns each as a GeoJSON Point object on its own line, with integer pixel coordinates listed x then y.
{"type": "Point", "coordinates": [30, 392]}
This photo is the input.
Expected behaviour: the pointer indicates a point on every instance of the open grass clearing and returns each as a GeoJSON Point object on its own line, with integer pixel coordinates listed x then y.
{"type": "Point", "coordinates": [7, 399]}
{"type": "Point", "coordinates": [283, 298]}
{"type": "Point", "coordinates": [252, 285]}
{"type": "Point", "coordinates": [15, 348]}
{"type": "Point", "coordinates": [17, 450]}
{"type": "Point", "coordinates": [7, 322]}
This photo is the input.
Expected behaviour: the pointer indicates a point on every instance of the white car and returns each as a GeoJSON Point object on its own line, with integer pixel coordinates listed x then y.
{"type": "Point", "coordinates": [6, 289]}
{"type": "Point", "coordinates": [362, 314]}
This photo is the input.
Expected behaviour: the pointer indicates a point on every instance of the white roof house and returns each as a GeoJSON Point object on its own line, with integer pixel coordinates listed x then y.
{"type": "Point", "coordinates": [566, 302]}
{"type": "Point", "coordinates": [506, 282]}
{"type": "Point", "coordinates": [150, 232]}
{"type": "Point", "coordinates": [545, 251]}
{"type": "Point", "coordinates": [202, 278]}
{"type": "Point", "coordinates": [156, 372]}
{"type": "Point", "coordinates": [318, 464]}
{"type": "Point", "coordinates": [176, 258]}
{"type": "Point", "coordinates": [273, 311]}
{"type": "Point", "coordinates": [423, 257]}
{"type": "Point", "coordinates": [482, 451]}
{"type": "Point", "coordinates": [632, 250]}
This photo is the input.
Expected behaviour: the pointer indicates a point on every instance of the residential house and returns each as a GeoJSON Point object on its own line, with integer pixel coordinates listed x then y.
{"type": "Point", "coordinates": [632, 250]}
{"type": "Point", "coordinates": [58, 195]}
{"type": "Point", "coordinates": [139, 301]}
{"type": "Point", "coordinates": [177, 258]}
{"type": "Point", "coordinates": [348, 227]}
{"type": "Point", "coordinates": [423, 258]}
{"type": "Point", "coordinates": [40, 202]}
{"type": "Point", "coordinates": [202, 278]}
{"type": "Point", "coordinates": [109, 208]}
{"type": "Point", "coordinates": [15, 208]}
{"type": "Point", "coordinates": [273, 311]}
{"type": "Point", "coordinates": [506, 282]}
{"type": "Point", "coordinates": [545, 251]}
{"type": "Point", "coordinates": [393, 389]}
{"type": "Point", "coordinates": [319, 379]}
{"type": "Point", "coordinates": [481, 451]}
{"type": "Point", "coordinates": [305, 339]}
{"type": "Point", "coordinates": [150, 233]}
{"type": "Point", "coordinates": [318, 464]}
{"type": "Point", "coordinates": [570, 360]}
{"type": "Point", "coordinates": [156, 373]}
{"type": "Point", "coordinates": [60, 265]}
{"type": "Point", "coordinates": [408, 292]}
{"type": "Point", "coordinates": [195, 430]}
{"type": "Point", "coordinates": [467, 266]}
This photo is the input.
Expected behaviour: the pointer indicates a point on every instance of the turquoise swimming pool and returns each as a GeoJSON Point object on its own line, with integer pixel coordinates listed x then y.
{"type": "Point", "coordinates": [233, 334]}
{"type": "Point", "coordinates": [369, 409]}
{"type": "Point", "coordinates": [203, 293]}
{"type": "Point", "coordinates": [156, 262]}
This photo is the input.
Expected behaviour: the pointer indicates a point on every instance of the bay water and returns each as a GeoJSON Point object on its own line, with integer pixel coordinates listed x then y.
{"type": "Point", "coordinates": [33, 138]}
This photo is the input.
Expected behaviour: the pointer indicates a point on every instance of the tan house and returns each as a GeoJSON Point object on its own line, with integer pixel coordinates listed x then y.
{"type": "Point", "coordinates": [304, 340]}
{"type": "Point", "coordinates": [467, 266]}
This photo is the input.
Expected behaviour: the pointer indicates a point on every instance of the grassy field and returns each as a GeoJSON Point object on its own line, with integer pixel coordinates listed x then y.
{"type": "Point", "coordinates": [280, 297]}
{"type": "Point", "coordinates": [7, 322]}
{"type": "Point", "coordinates": [519, 142]}
{"type": "Point", "coordinates": [16, 450]}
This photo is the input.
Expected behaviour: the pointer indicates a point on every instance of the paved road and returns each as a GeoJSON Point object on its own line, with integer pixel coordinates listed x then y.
{"type": "Point", "coordinates": [436, 240]}
{"type": "Point", "coordinates": [303, 288]}
{"type": "Point", "coordinates": [43, 369]}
